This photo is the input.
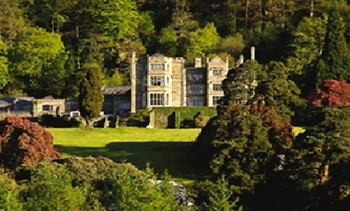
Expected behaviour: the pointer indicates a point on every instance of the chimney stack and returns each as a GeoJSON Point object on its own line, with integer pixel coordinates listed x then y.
{"type": "Point", "coordinates": [198, 62]}
{"type": "Point", "coordinates": [252, 53]}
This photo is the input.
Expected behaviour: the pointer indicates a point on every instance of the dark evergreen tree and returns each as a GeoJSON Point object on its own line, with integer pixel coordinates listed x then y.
{"type": "Point", "coordinates": [245, 140]}
{"type": "Point", "coordinates": [90, 93]}
{"type": "Point", "coordinates": [334, 62]}
{"type": "Point", "coordinates": [319, 157]}
{"type": "Point", "coordinates": [278, 90]}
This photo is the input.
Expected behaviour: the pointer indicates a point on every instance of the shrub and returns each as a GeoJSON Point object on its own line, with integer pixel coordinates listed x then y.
{"type": "Point", "coordinates": [22, 141]}
{"type": "Point", "coordinates": [50, 188]}
{"type": "Point", "coordinates": [9, 194]}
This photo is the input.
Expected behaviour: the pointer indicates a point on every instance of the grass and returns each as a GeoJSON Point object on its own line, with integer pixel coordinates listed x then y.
{"type": "Point", "coordinates": [163, 149]}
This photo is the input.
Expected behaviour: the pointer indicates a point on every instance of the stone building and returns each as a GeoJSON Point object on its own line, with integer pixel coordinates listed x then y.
{"type": "Point", "coordinates": [158, 81]}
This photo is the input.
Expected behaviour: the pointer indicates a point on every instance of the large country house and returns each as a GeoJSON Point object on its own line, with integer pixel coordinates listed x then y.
{"type": "Point", "coordinates": [156, 81]}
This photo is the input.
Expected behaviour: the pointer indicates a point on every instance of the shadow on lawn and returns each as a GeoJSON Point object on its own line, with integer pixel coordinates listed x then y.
{"type": "Point", "coordinates": [177, 157]}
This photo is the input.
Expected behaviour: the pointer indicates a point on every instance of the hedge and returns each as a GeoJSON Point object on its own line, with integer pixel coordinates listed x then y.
{"type": "Point", "coordinates": [184, 117]}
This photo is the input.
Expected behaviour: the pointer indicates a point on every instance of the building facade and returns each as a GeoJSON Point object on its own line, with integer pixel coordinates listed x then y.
{"type": "Point", "coordinates": [158, 81]}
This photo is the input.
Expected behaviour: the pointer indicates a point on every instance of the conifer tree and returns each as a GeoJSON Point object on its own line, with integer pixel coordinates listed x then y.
{"type": "Point", "coordinates": [334, 62]}
{"type": "Point", "coordinates": [90, 95]}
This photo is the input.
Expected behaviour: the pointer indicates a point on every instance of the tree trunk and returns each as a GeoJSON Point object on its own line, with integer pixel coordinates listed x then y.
{"type": "Point", "coordinates": [324, 174]}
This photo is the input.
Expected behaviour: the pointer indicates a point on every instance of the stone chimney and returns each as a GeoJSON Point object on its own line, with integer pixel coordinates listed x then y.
{"type": "Point", "coordinates": [252, 53]}
{"type": "Point", "coordinates": [198, 62]}
{"type": "Point", "coordinates": [240, 60]}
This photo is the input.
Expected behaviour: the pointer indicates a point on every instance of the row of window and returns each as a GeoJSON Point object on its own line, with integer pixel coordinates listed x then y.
{"type": "Point", "coordinates": [200, 101]}
{"type": "Point", "coordinates": [159, 99]}
{"type": "Point", "coordinates": [159, 80]}
{"type": "Point", "coordinates": [157, 66]}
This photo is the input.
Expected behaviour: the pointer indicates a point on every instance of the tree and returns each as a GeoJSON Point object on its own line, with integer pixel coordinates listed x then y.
{"type": "Point", "coordinates": [90, 94]}
{"type": "Point", "coordinates": [37, 60]}
{"type": "Point", "coordinates": [11, 20]}
{"type": "Point", "coordinates": [278, 90]}
{"type": "Point", "coordinates": [334, 62]}
{"type": "Point", "coordinates": [4, 74]}
{"type": "Point", "coordinates": [168, 41]}
{"type": "Point", "coordinates": [221, 197]}
{"type": "Point", "coordinates": [202, 41]}
{"type": "Point", "coordinates": [331, 93]}
{"type": "Point", "coordinates": [317, 161]}
{"type": "Point", "coordinates": [50, 188]}
{"type": "Point", "coordinates": [24, 142]}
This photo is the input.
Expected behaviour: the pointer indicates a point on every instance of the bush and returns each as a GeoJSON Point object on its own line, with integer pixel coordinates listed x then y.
{"type": "Point", "coordinates": [50, 188]}
{"type": "Point", "coordinates": [48, 120]}
{"type": "Point", "coordinates": [22, 141]}
{"type": "Point", "coordinates": [9, 194]}
{"type": "Point", "coordinates": [183, 117]}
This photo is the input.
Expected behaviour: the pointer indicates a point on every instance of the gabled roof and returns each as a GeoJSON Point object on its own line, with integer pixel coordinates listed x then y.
{"type": "Point", "coordinates": [115, 90]}
{"type": "Point", "coordinates": [157, 55]}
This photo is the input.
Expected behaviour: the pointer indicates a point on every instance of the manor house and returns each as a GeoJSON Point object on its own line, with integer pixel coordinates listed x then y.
{"type": "Point", "coordinates": [158, 81]}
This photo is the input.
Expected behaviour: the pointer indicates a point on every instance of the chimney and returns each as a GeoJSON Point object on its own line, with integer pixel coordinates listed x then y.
{"type": "Point", "coordinates": [252, 53]}
{"type": "Point", "coordinates": [240, 60]}
{"type": "Point", "coordinates": [198, 62]}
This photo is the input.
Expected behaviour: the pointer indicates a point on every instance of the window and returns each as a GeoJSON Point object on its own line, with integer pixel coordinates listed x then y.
{"type": "Point", "coordinates": [196, 101]}
{"type": "Point", "coordinates": [216, 100]}
{"type": "Point", "coordinates": [196, 89]}
{"type": "Point", "coordinates": [157, 99]}
{"type": "Point", "coordinates": [47, 107]}
{"type": "Point", "coordinates": [217, 71]}
{"type": "Point", "coordinates": [157, 67]}
{"type": "Point", "coordinates": [217, 87]}
{"type": "Point", "coordinates": [157, 81]}
{"type": "Point", "coordinates": [196, 77]}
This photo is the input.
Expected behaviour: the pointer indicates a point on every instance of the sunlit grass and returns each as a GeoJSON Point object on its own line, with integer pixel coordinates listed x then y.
{"type": "Point", "coordinates": [163, 149]}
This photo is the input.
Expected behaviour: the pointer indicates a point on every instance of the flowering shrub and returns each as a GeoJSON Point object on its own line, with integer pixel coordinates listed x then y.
{"type": "Point", "coordinates": [331, 93]}
{"type": "Point", "coordinates": [23, 141]}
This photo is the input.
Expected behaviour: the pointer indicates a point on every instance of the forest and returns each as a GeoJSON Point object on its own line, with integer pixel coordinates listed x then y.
{"type": "Point", "coordinates": [45, 44]}
{"type": "Point", "coordinates": [302, 68]}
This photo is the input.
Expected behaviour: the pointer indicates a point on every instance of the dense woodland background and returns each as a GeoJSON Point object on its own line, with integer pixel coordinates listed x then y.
{"type": "Point", "coordinates": [45, 43]}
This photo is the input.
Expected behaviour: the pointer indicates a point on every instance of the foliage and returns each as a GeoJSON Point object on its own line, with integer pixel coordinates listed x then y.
{"type": "Point", "coordinates": [9, 194]}
{"type": "Point", "coordinates": [90, 94]}
{"type": "Point", "coordinates": [130, 192]}
{"type": "Point", "coordinates": [331, 93]}
{"type": "Point", "coordinates": [318, 157]}
{"type": "Point", "coordinates": [4, 74]}
{"type": "Point", "coordinates": [233, 45]}
{"type": "Point", "coordinates": [38, 57]}
{"type": "Point", "coordinates": [202, 41]}
{"type": "Point", "coordinates": [184, 115]}
{"type": "Point", "coordinates": [221, 197]}
{"type": "Point", "coordinates": [168, 41]}
{"type": "Point", "coordinates": [50, 188]}
{"type": "Point", "coordinates": [335, 58]}
{"type": "Point", "coordinates": [277, 89]}
{"type": "Point", "coordinates": [25, 142]}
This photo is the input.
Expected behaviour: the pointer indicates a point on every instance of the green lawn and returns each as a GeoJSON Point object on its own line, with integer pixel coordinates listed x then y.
{"type": "Point", "coordinates": [169, 149]}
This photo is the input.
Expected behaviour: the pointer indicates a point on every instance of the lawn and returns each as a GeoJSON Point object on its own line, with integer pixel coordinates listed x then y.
{"type": "Point", "coordinates": [169, 149]}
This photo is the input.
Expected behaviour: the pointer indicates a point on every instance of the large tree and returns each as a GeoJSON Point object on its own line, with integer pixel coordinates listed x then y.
{"type": "Point", "coordinates": [334, 62]}
{"type": "Point", "coordinates": [90, 93]}
{"type": "Point", "coordinates": [246, 138]}
{"type": "Point", "coordinates": [37, 59]}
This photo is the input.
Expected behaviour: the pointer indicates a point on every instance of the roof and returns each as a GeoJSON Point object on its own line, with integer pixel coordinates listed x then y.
{"type": "Point", "coordinates": [115, 90]}
{"type": "Point", "coordinates": [4, 104]}
{"type": "Point", "coordinates": [157, 55]}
